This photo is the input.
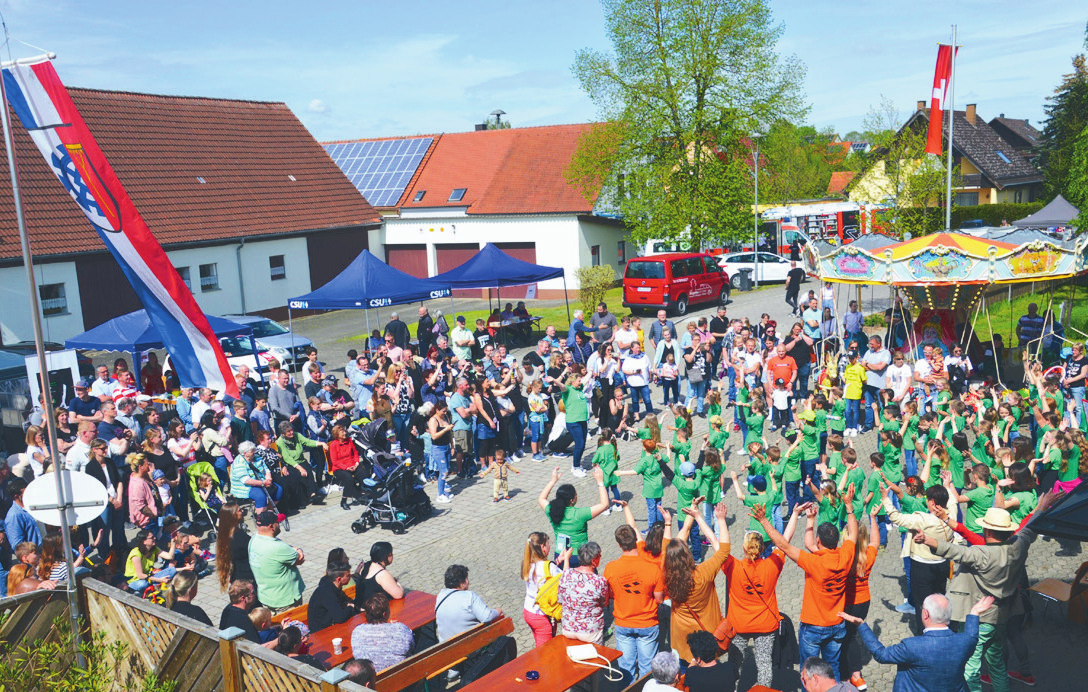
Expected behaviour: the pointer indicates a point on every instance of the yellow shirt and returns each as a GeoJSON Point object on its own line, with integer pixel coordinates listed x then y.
{"type": "Point", "coordinates": [854, 377]}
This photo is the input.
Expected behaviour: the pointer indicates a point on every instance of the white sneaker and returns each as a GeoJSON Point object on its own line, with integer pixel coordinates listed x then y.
{"type": "Point", "coordinates": [442, 498]}
{"type": "Point", "coordinates": [606, 512]}
{"type": "Point", "coordinates": [578, 473]}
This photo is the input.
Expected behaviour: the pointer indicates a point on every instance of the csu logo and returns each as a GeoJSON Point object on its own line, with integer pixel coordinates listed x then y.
{"type": "Point", "coordinates": [296, 304]}
{"type": "Point", "coordinates": [440, 293]}
{"type": "Point", "coordinates": [379, 302]}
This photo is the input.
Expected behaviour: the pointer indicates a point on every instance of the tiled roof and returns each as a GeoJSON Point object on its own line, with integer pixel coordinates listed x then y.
{"type": "Point", "coordinates": [839, 181]}
{"type": "Point", "coordinates": [981, 144]}
{"type": "Point", "coordinates": [160, 147]}
{"type": "Point", "coordinates": [1018, 132]}
{"type": "Point", "coordinates": [514, 171]}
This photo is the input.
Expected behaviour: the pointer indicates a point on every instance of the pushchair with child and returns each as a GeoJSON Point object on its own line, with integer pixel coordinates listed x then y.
{"type": "Point", "coordinates": [193, 473]}
{"type": "Point", "coordinates": [391, 495]}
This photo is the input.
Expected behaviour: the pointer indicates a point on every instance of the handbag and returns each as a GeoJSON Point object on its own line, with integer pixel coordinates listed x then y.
{"type": "Point", "coordinates": [547, 595]}
{"type": "Point", "coordinates": [587, 654]}
{"type": "Point", "coordinates": [724, 632]}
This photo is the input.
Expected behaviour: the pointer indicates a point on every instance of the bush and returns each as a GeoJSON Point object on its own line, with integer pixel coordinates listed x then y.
{"type": "Point", "coordinates": [594, 283]}
{"type": "Point", "coordinates": [994, 214]}
{"type": "Point", "coordinates": [876, 319]}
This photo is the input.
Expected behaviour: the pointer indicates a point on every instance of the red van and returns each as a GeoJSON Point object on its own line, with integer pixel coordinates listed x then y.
{"type": "Point", "coordinates": [673, 282]}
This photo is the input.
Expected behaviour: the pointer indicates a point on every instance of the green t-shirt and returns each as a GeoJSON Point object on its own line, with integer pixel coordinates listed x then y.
{"type": "Point", "coordinates": [856, 477]}
{"type": "Point", "coordinates": [605, 457]}
{"type": "Point", "coordinates": [710, 484]}
{"type": "Point", "coordinates": [872, 485]}
{"type": "Point", "coordinates": [573, 527]}
{"type": "Point", "coordinates": [834, 464]}
{"type": "Point", "coordinates": [810, 440]}
{"type": "Point", "coordinates": [979, 500]}
{"type": "Point", "coordinates": [650, 470]}
{"type": "Point", "coordinates": [717, 439]}
{"type": "Point", "coordinates": [821, 420]}
{"type": "Point", "coordinates": [1072, 468]}
{"type": "Point", "coordinates": [889, 424]}
{"type": "Point", "coordinates": [751, 500]}
{"type": "Point", "coordinates": [835, 515]}
{"type": "Point", "coordinates": [911, 433]}
{"type": "Point", "coordinates": [273, 563]}
{"type": "Point", "coordinates": [935, 468]}
{"type": "Point", "coordinates": [645, 434]}
{"type": "Point", "coordinates": [681, 452]}
{"type": "Point", "coordinates": [754, 421]}
{"type": "Point", "coordinates": [955, 462]}
{"type": "Point", "coordinates": [713, 410]}
{"type": "Point", "coordinates": [574, 401]}
{"type": "Point", "coordinates": [778, 471]}
{"type": "Point", "coordinates": [1043, 430]}
{"type": "Point", "coordinates": [686, 489]}
{"type": "Point", "coordinates": [911, 504]}
{"type": "Point", "coordinates": [793, 465]}
{"type": "Point", "coordinates": [1028, 499]}
{"type": "Point", "coordinates": [837, 417]}
{"type": "Point", "coordinates": [1054, 459]}
{"type": "Point", "coordinates": [893, 468]}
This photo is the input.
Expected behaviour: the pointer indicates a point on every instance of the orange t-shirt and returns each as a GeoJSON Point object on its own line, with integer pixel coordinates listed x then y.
{"type": "Point", "coordinates": [783, 368]}
{"type": "Point", "coordinates": [660, 559]}
{"type": "Point", "coordinates": [857, 587]}
{"type": "Point", "coordinates": [753, 603]}
{"type": "Point", "coordinates": [826, 574]}
{"type": "Point", "coordinates": [632, 581]}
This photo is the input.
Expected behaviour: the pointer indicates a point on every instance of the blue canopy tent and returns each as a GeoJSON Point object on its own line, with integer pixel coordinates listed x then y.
{"type": "Point", "coordinates": [493, 268]}
{"type": "Point", "coordinates": [135, 334]}
{"type": "Point", "coordinates": [368, 283]}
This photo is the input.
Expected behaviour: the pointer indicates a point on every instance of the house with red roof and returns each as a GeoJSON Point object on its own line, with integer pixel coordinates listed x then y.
{"type": "Point", "coordinates": [445, 196]}
{"type": "Point", "coordinates": [246, 203]}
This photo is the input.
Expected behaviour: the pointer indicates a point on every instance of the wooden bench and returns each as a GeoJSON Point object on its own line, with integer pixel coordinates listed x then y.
{"type": "Point", "coordinates": [416, 610]}
{"type": "Point", "coordinates": [438, 659]}
{"type": "Point", "coordinates": [302, 612]}
{"type": "Point", "coordinates": [557, 671]}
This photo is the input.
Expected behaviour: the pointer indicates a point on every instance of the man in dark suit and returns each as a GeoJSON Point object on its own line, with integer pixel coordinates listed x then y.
{"type": "Point", "coordinates": [329, 605]}
{"type": "Point", "coordinates": [935, 661]}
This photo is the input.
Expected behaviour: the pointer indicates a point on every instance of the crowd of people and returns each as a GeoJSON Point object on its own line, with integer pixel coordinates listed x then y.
{"type": "Point", "coordinates": [960, 469]}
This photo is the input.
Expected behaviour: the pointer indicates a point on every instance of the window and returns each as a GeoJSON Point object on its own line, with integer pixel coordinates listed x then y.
{"type": "Point", "coordinates": [966, 199]}
{"type": "Point", "coordinates": [53, 299]}
{"type": "Point", "coordinates": [646, 270]}
{"type": "Point", "coordinates": [695, 266]}
{"type": "Point", "coordinates": [458, 194]}
{"type": "Point", "coordinates": [209, 278]}
{"type": "Point", "coordinates": [1018, 196]}
{"type": "Point", "coordinates": [679, 269]}
{"type": "Point", "coordinates": [595, 256]}
{"type": "Point", "coordinates": [183, 272]}
{"type": "Point", "coordinates": [419, 196]}
{"type": "Point", "coordinates": [276, 267]}
{"type": "Point", "coordinates": [1001, 155]}
{"type": "Point", "coordinates": [621, 252]}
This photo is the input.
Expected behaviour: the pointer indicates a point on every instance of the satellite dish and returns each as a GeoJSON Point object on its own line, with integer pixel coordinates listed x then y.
{"type": "Point", "coordinates": [86, 497]}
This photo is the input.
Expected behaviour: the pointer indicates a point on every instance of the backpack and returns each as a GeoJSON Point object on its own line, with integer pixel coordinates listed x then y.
{"type": "Point", "coordinates": [547, 596]}
{"type": "Point", "coordinates": [202, 453]}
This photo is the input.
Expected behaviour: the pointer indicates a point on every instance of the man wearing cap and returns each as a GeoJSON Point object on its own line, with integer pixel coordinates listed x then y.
{"type": "Point", "coordinates": [461, 340]}
{"type": "Point", "coordinates": [275, 564]}
{"type": "Point", "coordinates": [334, 400]}
{"type": "Point", "coordinates": [993, 569]}
{"type": "Point", "coordinates": [83, 406]}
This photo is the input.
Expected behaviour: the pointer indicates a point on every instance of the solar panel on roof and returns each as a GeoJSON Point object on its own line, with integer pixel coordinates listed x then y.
{"type": "Point", "coordinates": [380, 170]}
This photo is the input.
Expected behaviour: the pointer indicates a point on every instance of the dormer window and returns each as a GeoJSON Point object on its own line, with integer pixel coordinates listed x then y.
{"type": "Point", "coordinates": [458, 194]}
{"type": "Point", "coordinates": [419, 196]}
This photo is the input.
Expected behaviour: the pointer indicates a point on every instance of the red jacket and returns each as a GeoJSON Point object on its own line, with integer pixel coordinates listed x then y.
{"type": "Point", "coordinates": [343, 454]}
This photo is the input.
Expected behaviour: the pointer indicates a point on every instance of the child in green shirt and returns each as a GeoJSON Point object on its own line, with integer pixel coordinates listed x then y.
{"type": "Point", "coordinates": [831, 508]}
{"type": "Point", "coordinates": [607, 457]}
{"type": "Point", "coordinates": [837, 416]}
{"type": "Point", "coordinates": [873, 496]}
{"type": "Point", "coordinates": [908, 431]}
{"type": "Point", "coordinates": [891, 446]}
{"type": "Point", "coordinates": [718, 434]}
{"type": "Point", "coordinates": [649, 467]}
{"type": "Point", "coordinates": [759, 494]}
{"type": "Point", "coordinates": [791, 476]}
{"type": "Point", "coordinates": [754, 422]}
{"type": "Point", "coordinates": [979, 498]}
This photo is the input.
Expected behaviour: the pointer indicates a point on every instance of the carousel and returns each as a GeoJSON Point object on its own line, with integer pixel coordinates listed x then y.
{"type": "Point", "coordinates": [944, 276]}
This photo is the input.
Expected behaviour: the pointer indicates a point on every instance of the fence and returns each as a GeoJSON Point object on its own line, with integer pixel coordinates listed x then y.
{"type": "Point", "coordinates": [175, 648]}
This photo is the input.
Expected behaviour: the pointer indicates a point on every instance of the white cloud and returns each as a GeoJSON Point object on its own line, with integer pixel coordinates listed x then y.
{"type": "Point", "coordinates": [318, 106]}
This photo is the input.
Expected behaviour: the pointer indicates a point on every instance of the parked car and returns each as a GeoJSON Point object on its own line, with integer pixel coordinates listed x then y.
{"type": "Point", "coordinates": [772, 267]}
{"type": "Point", "coordinates": [673, 282]}
{"type": "Point", "coordinates": [27, 348]}
{"type": "Point", "coordinates": [238, 351]}
{"type": "Point", "coordinates": [271, 336]}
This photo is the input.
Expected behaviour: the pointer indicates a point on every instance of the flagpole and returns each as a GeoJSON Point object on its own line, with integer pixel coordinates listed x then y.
{"type": "Point", "coordinates": [951, 119]}
{"type": "Point", "coordinates": [60, 470]}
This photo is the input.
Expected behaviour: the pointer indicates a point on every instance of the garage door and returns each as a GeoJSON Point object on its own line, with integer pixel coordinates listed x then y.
{"type": "Point", "coordinates": [452, 255]}
{"type": "Point", "coordinates": [410, 259]}
{"type": "Point", "coordinates": [526, 252]}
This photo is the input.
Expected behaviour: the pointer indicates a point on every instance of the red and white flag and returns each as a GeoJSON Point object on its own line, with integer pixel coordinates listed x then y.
{"type": "Point", "coordinates": [941, 79]}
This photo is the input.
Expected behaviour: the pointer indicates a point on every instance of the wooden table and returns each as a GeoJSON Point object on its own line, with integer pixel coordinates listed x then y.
{"type": "Point", "coordinates": [416, 610]}
{"type": "Point", "coordinates": [557, 671]}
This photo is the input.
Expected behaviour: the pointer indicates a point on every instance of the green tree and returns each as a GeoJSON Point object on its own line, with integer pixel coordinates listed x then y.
{"type": "Point", "coordinates": [1077, 189]}
{"type": "Point", "coordinates": [796, 163]}
{"type": "Point", "coordinates": [1066, 118]}
{"type": "Point", "coordinates": [684, 84]}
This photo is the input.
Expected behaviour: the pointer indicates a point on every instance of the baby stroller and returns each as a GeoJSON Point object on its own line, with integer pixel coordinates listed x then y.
{"type": "Point", "coordinates": [391, 496]}
{"type": "Point", "coordinates": [193, 473]}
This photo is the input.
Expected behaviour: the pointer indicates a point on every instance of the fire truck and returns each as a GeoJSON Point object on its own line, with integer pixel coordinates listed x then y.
{"type": "Point", "coordinates": [832, 222]}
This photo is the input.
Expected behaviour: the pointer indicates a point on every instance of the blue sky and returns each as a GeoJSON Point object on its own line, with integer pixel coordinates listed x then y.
{"type": "Point", "coordinates": [362, 68]}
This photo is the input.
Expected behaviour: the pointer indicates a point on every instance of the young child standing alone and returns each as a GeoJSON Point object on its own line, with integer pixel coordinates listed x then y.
{"type": "Point", "coordinates": [500, 470]}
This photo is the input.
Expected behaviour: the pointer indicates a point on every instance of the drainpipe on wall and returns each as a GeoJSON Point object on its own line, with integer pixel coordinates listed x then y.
{"type": "Point", "coordinates": [241, 281]}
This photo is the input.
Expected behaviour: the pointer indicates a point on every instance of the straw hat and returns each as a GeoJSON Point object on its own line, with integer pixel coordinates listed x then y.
{"type": "Point", "coordinates": [997, 519]}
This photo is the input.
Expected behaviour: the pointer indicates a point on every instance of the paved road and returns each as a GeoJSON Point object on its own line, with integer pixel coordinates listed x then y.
{"type": "Point", "coordinates": [489, 538]}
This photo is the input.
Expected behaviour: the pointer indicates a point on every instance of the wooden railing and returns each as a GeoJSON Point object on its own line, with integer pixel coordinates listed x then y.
{"type": "Point", "coordinates": [160, 642]}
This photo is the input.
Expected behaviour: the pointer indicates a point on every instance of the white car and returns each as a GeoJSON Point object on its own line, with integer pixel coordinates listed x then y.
{"type": "Point", "coordinates": [772, 267]}
{"type": "Point", "coordinates": [238, 352]}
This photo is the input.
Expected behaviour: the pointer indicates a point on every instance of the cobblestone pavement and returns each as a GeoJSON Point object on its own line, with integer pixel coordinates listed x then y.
{"type": "Point", "coordinates": [489, 538]}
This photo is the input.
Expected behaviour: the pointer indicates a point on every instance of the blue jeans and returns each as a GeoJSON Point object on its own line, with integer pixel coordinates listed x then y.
{"type": "Point", "coordinates": [222, 470]}
{"type": "Point", "coordinates": [641, 393]}
{"type": "Point", "coordinates": [909, 466]}
{"type": "Point", "coordinates": [731, 374]}
{"type": "Point", "coordinates": [653, 511]}
{"type": "Point", "coordinates": [872, 396]}
{"type": "Point", "coordinates": [824, 642]}
{"type": "Point", "coordinates": [259, 495]}
{"type": "Point", "coordinates": [578, 431]}
{"type": "Point", "coordinates": [440, 457]}
{"type": "Point", "coordinates": [668, 386]}
{"type": "Point", "coordinates": [536, 430]}
{"type": "Point", "coordinates": [138, 585]}
{"type": "Point", "coordinates": [793, 495]}
{"type": "Point", "coordinates": [697, 391]}
{"type": "Point", "coordinates": [400, 427]}
{"type": "Point", "coordinates": [801, 385]}
{"type": "Point", "coordinates": [638, 646]}
{"type": "Point", "coordinates": [853, 409]}
{"type": "Point", "coordinates": [808, 470]}
{"type": "Point", "coordinates": [1078, 398]}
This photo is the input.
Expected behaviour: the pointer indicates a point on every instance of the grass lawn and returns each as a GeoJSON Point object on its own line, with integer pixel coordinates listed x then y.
{"type": "Point", "coordinates": [1004, 315]}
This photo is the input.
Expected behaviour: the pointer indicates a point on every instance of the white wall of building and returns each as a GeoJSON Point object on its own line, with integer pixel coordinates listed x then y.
{"type": "Point", "coordinates": [15, 313]}
{"type": "Point", "coordinates": [561, 240]}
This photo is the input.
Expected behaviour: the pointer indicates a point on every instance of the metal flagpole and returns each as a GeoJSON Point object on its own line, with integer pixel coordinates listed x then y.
{"type": "Point", "coordinates": [566, 299]}
{"type": "Point", "coordinates": [59, 477]}
{"type": "Point", "coordinates": [951, 118]}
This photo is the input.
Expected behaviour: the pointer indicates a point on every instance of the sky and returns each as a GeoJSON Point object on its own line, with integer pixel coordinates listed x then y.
{"type": "Point", "coordinates": [362, 68]}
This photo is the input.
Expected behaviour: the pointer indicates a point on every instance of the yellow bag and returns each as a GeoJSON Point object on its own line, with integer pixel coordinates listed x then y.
{"type": "Point", "coordinates": [547, 596]}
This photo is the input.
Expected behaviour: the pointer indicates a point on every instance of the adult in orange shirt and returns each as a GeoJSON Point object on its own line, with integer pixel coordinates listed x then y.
{"type": "Point", "coordinates": [636, 587]}
{"type": "Point", "coordinates": [691, 589]}
{"type": "Point", "coordinates": [857, 598]}
{"type": "Point", "coordinates": [753, 603]}
{"type": "Point", "coordinates": [827, 569]}
{"type": "Point", "coordinates": [781, 366]}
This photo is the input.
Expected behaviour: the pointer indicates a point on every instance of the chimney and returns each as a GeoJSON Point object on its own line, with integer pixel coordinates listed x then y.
{"type": "Point", "coordinates": [971, 113]}
{"type": "Point", "coordinates": [480, 127]}
{"type": "Point", "coordinates": [921, 105]}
